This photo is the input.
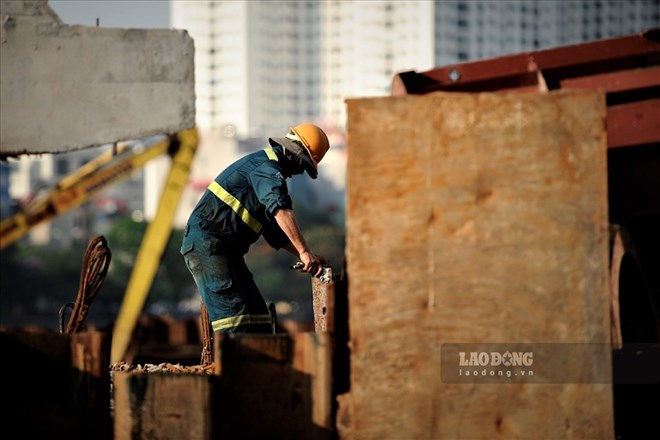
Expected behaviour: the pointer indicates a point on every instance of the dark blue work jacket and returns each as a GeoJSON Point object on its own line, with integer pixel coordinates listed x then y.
{"type": "Point", "coordinates": [240, 204]}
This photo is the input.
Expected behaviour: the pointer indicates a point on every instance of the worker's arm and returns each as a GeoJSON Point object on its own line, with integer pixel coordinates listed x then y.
{"type": "Point", "coordinates": [286, 220]}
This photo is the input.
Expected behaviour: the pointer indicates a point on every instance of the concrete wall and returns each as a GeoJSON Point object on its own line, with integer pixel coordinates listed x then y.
{"type": "Point", "coordinates": [69, 87]}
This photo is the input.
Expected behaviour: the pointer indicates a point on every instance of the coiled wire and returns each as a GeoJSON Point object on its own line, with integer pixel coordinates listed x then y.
{"type": "Point", "coordinates": [96, 263]}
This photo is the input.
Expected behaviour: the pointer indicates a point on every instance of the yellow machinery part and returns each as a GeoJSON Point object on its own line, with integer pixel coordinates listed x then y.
{"type": "Point", "coordinates": [153, 245]}
{"type": "Point", "coordinates": [76, 188]}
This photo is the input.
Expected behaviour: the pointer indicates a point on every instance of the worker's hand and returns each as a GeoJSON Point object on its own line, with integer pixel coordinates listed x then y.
{"type": "Point", "coordinates": [312, 263]}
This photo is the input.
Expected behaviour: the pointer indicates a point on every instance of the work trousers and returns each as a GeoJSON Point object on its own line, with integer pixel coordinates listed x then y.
{"type": "Point", "coordinates": [226, 285]}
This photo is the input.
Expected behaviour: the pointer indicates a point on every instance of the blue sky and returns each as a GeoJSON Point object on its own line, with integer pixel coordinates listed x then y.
{"type": "Point", "coordinates": [141, 14]}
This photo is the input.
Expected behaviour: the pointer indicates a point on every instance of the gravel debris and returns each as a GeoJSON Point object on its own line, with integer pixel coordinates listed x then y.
{"type": "Point", "coordinates": [162, 368]}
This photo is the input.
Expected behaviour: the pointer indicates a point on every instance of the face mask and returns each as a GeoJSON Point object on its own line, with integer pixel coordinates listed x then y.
{"type": "Point", "coordinates": [297, 167]}
{"type": "Point", "coordinates": [294, 165]}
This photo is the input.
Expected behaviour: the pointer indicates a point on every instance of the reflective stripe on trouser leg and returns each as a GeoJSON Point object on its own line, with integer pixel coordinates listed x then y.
{"type": "Point", "coordinates": [258, 319]}
{"type": "Point", "coordinates": [231, 297]}
{"type": "Point", "coordinates": [235, 321]}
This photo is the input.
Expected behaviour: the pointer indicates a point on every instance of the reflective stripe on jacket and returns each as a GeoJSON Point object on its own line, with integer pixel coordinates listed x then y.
{"type": "Point", "coordinates": [240, 203]}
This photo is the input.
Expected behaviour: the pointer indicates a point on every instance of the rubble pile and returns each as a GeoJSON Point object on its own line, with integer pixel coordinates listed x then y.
{"type": "Point", "coordinates": [162, 368]}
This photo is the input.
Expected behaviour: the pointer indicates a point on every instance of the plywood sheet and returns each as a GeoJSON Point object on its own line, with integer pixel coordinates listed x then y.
{"type": "Point", "coordinates": [477, 218]}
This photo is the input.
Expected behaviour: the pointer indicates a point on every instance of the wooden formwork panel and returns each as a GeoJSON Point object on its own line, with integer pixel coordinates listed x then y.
{"type": "Point", "coordinates": [164, 406]}
{"type": "Point", "coordinates": [275, 386]}
{"type": "Point", "coordinates": [476, 218]}
{"type": "Point", "coordinates": [264, 386]}
{"type": "Point", "coordinates": [54, 385]}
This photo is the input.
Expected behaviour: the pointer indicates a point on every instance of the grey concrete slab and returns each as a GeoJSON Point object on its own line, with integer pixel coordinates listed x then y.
{"type": "Point", "coordinates": [69, 87]}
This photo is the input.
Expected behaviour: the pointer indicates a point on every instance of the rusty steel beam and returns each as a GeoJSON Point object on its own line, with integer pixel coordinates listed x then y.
{"type": "Point", "coordinates": [616, 81]}
{"type": "Point", "coordinates": [635, 123]}
{"type": "Point", "coordinates": [323, 302]}
{"type": "Point", "coordinates": [626, 68]}
{"type": "Point", "coordinates": [521, 70]}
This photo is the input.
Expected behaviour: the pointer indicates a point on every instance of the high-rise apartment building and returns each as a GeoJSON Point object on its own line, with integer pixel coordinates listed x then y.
{"type": "Point", "coordinates": [263, 65]}
{"type": "Point", "coordinates": [472, 30]}
{"type": "Point", "coordinates": [364, 43]}
{"type": "Point", "coordinates": [257, 63]}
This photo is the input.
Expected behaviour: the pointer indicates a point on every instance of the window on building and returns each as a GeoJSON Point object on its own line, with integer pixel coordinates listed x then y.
{"type": "Point", "coordinates": [61, 166]}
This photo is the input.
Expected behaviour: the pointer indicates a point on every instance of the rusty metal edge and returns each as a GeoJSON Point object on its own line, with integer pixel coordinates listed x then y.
{"type": "Point", "coordinates": [519, 70]}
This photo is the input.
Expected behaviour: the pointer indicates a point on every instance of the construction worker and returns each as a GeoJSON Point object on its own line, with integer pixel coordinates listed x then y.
{"type": "Point", "coordinates": [250, 198]}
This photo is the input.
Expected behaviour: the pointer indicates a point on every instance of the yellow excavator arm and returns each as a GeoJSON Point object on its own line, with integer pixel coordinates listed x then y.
{"type": "Point", "coordinates": [80, 186]}
{"type": "Point", "coordinates": [104, 171]}
{"type": "Point", "coordinates": [153, 245]}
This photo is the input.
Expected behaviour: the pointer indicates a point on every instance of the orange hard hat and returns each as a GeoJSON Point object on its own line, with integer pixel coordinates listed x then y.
{"type": "Point", "coordinates": [314, 141]}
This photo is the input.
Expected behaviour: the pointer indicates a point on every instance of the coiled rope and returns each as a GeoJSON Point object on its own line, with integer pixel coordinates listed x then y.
{"type": "Point", "coordinates": [96, 263]}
